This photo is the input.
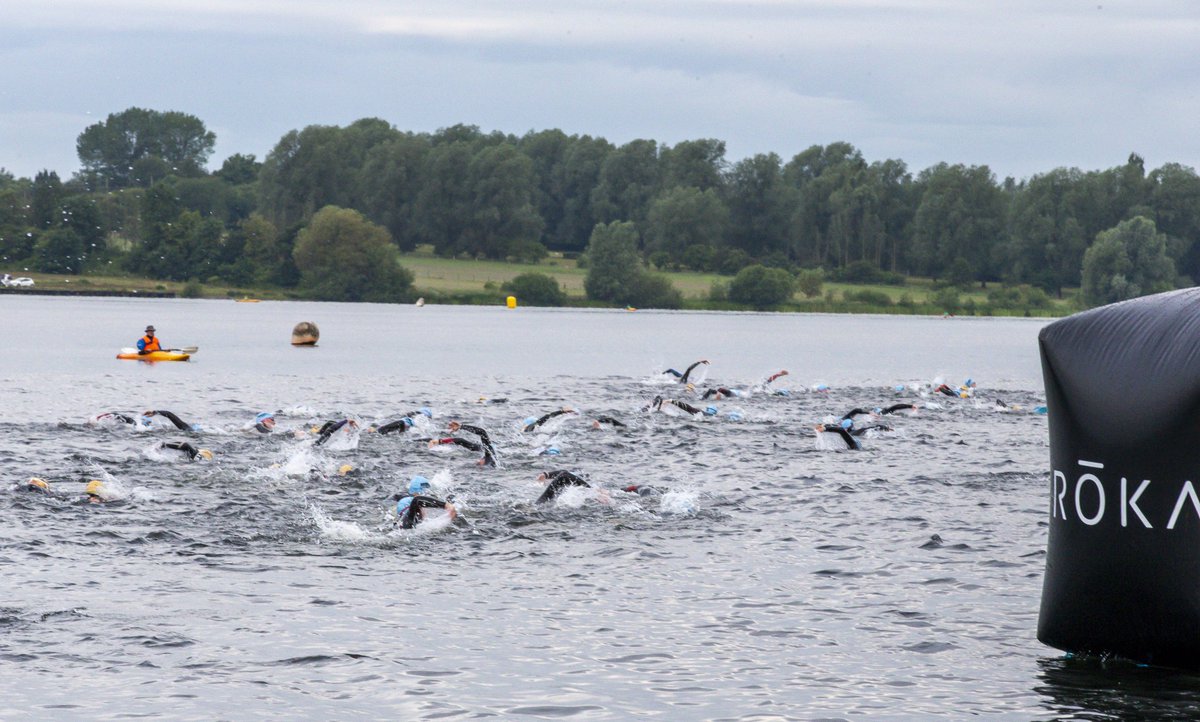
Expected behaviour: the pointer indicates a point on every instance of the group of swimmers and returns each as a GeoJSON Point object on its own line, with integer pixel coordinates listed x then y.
{"type": "Point", "coordinates": [414, 504]}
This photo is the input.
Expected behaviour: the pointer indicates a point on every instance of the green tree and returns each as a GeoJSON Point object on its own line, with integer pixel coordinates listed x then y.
{"type": "Point", "coordinates": [47, 199]}
{"type": "Point", "coordinates": [1127, 261]}
{"type": "Point", "coordinates": [536, 289]}
{"type": "Point", "coordinates": [613, 261]}
{"type": "Point", "coordinates": [59, 251]}
{"type": "Point", "coordinates": [239, 169]}
{"type": "Point", "coordinates": [761, 287]}
{"type": "Point", "coordinates": [344, 257]}
{"type": "Point", "coordinates": [139, 147]}
{"type": "Point", "coordinates": [810, 282]}
{"type": "Point", "coordinates": [683, 217]}
{"type": "Point", "coordinates": [760, 205]}
{"type": "Point", "coordinates": [629, 179]}
{"type": "Point", "coordinates": [696, 164]}
{"type": "Point", "coordinates": [502, 220]}
{"type": "Point", "coordinates": [961, 213]}
{"type": "Point", "coordinates": [390, 183]}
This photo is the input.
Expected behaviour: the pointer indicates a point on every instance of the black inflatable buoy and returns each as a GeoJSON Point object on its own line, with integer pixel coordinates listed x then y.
{"type": "Point", "coordinates": [1123, 554]}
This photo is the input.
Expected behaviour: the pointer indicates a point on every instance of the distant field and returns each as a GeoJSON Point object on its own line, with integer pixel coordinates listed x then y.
{"type": "Point", "coordinates": [475, 281]}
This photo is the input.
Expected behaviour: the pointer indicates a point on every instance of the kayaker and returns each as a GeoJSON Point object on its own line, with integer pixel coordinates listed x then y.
{"type": "Point", "coordinates": [148, 343]}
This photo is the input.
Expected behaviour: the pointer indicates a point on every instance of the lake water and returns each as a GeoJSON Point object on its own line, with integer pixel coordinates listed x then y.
{"type": "Point", "coordinates": [774, 576]}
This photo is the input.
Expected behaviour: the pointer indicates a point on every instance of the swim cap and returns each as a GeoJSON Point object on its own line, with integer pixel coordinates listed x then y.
{"type": "Point", "coordinates": [782, 392]}
{"type": "Point", "coordinates": [898, 388]}
{"type": "Point", "coordinates": [427, 411]}
{"type": "Point", "coordinates": [970, 383]}
{"type": "Point", "coordinates": [710, 410]}
{"type": "Point", "coordinates": [418, 484]}
{"type": "Point", "coordinates": [206, 454]}
{"type": "Point", "coordinates": [529, 420]}
{"type": "Point", "coordinates": [877, 410]}
{"type": "Point", "coordinates": [263, 417]}
{"type": "Point", "coordinates": [821, 387]}
{"type": "Point", "coordinates": [551, 451]}
{"type": "Point", "coordinates": [94, 488]}
{"type": "Point", "coordinates": [1039, 409]}
{"type": "Point", "coordinates": [734, 416]}
{"type": "Point", "coordinates": [345, 469]}
{"type": "Point", "coordinates": [690, 387]}
{"type": "Point", "coordinates": [847, 423]}
{"type": "Point", "coordinates": [36, 483]}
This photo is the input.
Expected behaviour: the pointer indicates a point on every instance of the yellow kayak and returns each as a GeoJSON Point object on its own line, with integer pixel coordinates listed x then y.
{"type": "Point", "coordinates": [154, 356]}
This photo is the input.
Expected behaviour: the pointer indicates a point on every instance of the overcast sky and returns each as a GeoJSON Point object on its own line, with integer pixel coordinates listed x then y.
{"type": "Point", "coordinates": [1023, 86]}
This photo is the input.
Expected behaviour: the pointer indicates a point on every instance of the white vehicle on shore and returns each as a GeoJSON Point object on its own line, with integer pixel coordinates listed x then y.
{"type": "Point", "coordinates": [20, 281]}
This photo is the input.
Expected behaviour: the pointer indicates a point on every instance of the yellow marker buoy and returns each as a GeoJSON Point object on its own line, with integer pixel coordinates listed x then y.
{"type": "Point", "coordinates": [511, 302]}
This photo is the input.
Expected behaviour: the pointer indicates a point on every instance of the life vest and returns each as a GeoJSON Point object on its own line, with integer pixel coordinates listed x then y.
{"type": "Point", "coordinates": [150, 343]}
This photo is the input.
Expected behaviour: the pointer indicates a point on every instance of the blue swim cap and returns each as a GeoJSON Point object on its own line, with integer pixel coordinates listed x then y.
{"type": "Point", "coordinates": [263, 417]}
{"type": "Point", "coordinates": [969, 383]}
{"type": "Point", "coordinates": [710, 410]}
{"type": "Point", "coordinates": [821, 387]}
{"type": "Point", "coordinates": [734, 416]}
{"type": "Point", "coordinates": [417, 485]}
{"type": "Point", "coordinates": [1039, 409]}
{"type": "Point", "coordinates": [551, 451]}
{"type": "Point", "coordinates": [529, 420]}
{"type": "Point", "coordinates": [898, 388]}
{"type": "Point", "coordinates": [402, 505]}
{"type": "Point", "coordinates": [877, 410]}
{"type": "Point", "coordinates": [407, 422]}
{"type": "Point", "coordinates": [847, 423]}
{"type": "Point", "coordinates": [426, 410]}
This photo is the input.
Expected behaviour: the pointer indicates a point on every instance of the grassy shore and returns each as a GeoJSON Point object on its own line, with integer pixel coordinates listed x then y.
{"type": "Point", "coordinates": [448, 280]}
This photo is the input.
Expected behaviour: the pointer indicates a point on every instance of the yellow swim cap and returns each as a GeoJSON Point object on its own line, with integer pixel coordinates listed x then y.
{"type": "Point", "coordinates": [345, 469]}
{"type": "Point", "coordinates": [39, 483]}
{"type": "Point", "coordinates": [208, 455]}
{"type": "Point", "coordinates": [94, 488]}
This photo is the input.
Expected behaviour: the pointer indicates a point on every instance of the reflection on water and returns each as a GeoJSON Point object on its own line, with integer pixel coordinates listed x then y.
{"type": "Point", "coordinates": [772, 577]}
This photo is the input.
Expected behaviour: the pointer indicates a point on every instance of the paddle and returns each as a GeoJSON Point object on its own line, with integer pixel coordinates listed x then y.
{"type": "Point", "coordinates": [185, 349]}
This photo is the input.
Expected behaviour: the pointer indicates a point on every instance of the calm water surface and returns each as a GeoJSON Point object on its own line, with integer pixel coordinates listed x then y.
{"type": "Point", "coordinates": [774, 577]}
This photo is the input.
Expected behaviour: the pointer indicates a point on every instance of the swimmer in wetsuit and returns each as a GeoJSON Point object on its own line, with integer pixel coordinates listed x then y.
{"type": "Point", "coordinates": [113, 416]}
{"type": "Point", "coordinates": [329, 428]}
{"type": "Point", "coordinates": [489, 451]}
{"type": "Point", "coordinates": [658, 403]}
{"type": "Point", "coordinates": [264, 423]}
{"type": "Point", "coordinates": [683, 377]}
{"type": "Point", "coordinates": [720, 392]}
{"type": "Point", "coordinates": [406, 422]}
{"type": "Point", "coordinates": [558, 480]}
{"type": "Point", "coordinates": [842, 430]}
{"type": "Point", "coordinates": [191, 451]}
{"type": "Point", "coordinates": [179, 423]}
{"type": "Point", "coordinates": [411, 508]}
{"type": "Point", "coordinates": [946, 390]}
{"type": "Point", "coordinates": [95, 492]}
{"type": "Point", "coordinates": [531, 424]}
{"type": "Point", "coordinates": [601, 420]}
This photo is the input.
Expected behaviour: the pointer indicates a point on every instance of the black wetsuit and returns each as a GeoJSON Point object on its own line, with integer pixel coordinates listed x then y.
{"type": "Point", "coordinates": [683, 377]}
{"type": "Point", "coordinates": [412, 514]}
{"type": "Point", "coordinates": [683, 405]}
{"type": "Point", "coordinates": [609, 420]}
{"type": "Point", "coordinates": [489, 451]}
{"type": "Point", "coordinates": [642, 490]}
{"type": "Point", "coordinates": [897, 407]}
{"type": "Point", "coordinates": [116, 417]}
{"type": "Point", "coordinates": [860, 430]}
{"type": "Point", "coordinates": [329, 428]}
{"type": "Point", "coordinates": [559, 480]}
{"type": "Point", "coordinates": [851, 442]}
{"type": "Point", "coordinates": [544, 419]}
{"type": "Point", "coordinates": [179, 424]}
{"type": "Point", "coordinates": [404, 423]}
{"type": "Point", "coordinates": [727, 393]}
{"type": "Point", "coordinates": [855, 412]}
{"type": "Point", "coordinates": [944, 389]}
{"type": "Point", "coordinates": [183, 446]}
{"type": "Point", "coordinates": [465, 443]}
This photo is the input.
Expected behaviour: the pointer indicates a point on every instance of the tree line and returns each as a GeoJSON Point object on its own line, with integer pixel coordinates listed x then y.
{"type": "Point", "coordinates": [144, 202]}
